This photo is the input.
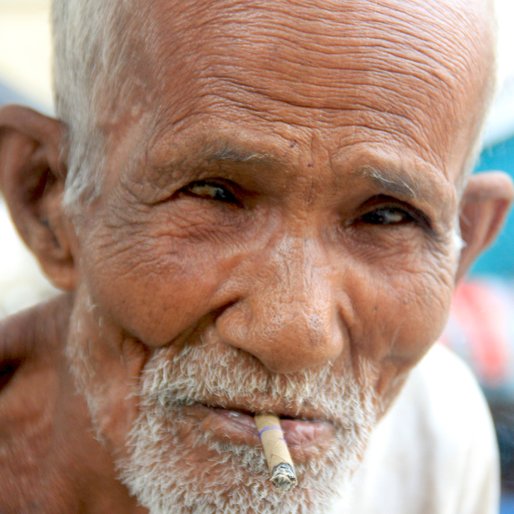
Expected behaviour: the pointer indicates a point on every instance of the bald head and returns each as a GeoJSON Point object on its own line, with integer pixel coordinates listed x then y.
{"type": "Point", "coordinates": [326, 58]}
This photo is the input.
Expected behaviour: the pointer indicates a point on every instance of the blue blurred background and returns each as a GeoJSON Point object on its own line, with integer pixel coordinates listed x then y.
{"type": "Point", "coordinates": [499, 259]}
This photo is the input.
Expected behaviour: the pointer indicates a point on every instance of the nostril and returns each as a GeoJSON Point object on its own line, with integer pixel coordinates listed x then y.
{"type": "Point", "coordinates": [8, 369]}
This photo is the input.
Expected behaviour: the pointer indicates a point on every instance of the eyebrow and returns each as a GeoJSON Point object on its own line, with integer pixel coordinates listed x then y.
{"type": "Point", "coordinates": [215, 153]}
{"type": "Point", "coordinates": [393, 185]}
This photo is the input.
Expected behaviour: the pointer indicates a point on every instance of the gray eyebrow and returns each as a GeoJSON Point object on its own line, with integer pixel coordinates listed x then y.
{"type": "Point", "coordinates": [390, 184]}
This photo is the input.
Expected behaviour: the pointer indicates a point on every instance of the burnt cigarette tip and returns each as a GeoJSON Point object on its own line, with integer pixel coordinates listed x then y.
{"type": "Point", "coordinates": [283, 476]}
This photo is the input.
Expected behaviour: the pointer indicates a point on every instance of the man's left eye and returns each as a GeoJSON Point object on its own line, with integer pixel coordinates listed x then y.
{"type": "Point", "coordinates": [387, 216]}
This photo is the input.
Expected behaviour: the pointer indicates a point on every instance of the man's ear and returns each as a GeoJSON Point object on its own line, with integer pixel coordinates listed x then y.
{"type": "Point", "coordinates": [32, 177]}
{"type": "Point", "coordinates": [484, 206]}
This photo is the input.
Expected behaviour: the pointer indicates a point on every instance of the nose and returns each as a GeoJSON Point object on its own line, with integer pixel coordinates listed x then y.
{"type": "Point", "coordinates": [287, 317]}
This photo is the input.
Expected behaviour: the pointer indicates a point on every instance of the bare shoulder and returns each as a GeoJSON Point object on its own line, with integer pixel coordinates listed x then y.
{"type": "Point", "coordinates": [50, 460]}
{"type": "Point", "coordinates": [31, 343]}
{"type": "Point", "coordinates": [31, 339]}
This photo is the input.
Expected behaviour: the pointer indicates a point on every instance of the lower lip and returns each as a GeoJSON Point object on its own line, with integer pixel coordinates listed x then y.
{"type": "Point", "coordinates": [306, 439]}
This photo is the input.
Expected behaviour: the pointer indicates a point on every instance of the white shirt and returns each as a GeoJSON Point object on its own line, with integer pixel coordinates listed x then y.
{"type": "Point", "coordinates": [434, 452]}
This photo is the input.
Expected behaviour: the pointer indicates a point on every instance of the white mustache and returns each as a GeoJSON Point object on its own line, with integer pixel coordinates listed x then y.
{"type": "Point", "coordinates": [235, 379]}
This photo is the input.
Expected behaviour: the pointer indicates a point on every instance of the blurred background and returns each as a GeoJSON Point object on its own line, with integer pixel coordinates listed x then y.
{"type": "Point", "coordinates": [481, 324]}
{"type": "Point", "coordinates": [24, 78]}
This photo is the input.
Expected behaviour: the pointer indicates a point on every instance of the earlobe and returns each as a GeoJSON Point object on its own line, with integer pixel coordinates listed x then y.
{"type": "Point", "coordinates": [32, 176]}
{"type": "Point", "coordinates": [484, 206]}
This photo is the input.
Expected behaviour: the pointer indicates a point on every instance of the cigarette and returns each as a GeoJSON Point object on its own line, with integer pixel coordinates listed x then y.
{"type": "Point", "coordinates": [280, 464]}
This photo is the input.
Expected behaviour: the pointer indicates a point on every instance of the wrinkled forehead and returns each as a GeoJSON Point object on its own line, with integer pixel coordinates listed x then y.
{"type": "Point", "coordinates": [417, 70]}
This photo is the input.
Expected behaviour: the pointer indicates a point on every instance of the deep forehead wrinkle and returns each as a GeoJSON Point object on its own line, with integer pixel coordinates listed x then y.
{"type": "Point", "coordinates": [342, 64]}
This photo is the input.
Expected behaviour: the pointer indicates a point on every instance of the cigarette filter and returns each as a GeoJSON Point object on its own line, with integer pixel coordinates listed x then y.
{"type": "Point", "coordinates": [280, 464]}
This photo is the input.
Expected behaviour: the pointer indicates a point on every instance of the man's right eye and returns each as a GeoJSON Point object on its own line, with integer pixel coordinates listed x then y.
{"type": "Point", "coordinates": [210, 190]}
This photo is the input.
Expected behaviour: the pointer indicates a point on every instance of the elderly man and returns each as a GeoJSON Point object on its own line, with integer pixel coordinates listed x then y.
{"type": "Point", "coordinates": [253, 207]}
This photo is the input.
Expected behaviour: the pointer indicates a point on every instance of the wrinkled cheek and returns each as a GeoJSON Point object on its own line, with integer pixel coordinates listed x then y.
{"type": "Point", "coordinates": [409, 316]}
{"type": "Point", "coordinates": [422, 317]}
{"type": "Point", "coordinates": [419, 326]}
{"type": "Point", "coordinates": [154, 298]}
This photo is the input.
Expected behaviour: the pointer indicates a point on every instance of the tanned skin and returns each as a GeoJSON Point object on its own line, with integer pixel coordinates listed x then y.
{"type": "Point", "coordinates": [49, 454]}
{"type": "Point", "coordinates": [283, 255]}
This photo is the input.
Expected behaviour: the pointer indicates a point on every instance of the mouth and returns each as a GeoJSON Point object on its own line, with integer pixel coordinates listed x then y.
{"type": "Point", "coordinates": [306, 437]}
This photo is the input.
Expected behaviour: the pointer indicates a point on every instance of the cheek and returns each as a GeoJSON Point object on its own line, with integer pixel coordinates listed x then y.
{"type": "Point", "coordinates": [406, 309]}
{"type": "Point", "coordinates": [152, 285]}
{"type": "Point", "coordinates": [418, 302]}
{"type": "Point", "coordinates": [424, 290]}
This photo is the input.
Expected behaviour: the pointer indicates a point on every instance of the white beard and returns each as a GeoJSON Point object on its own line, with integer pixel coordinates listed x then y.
{"type": "Point", "coordinates": [164, 473]}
